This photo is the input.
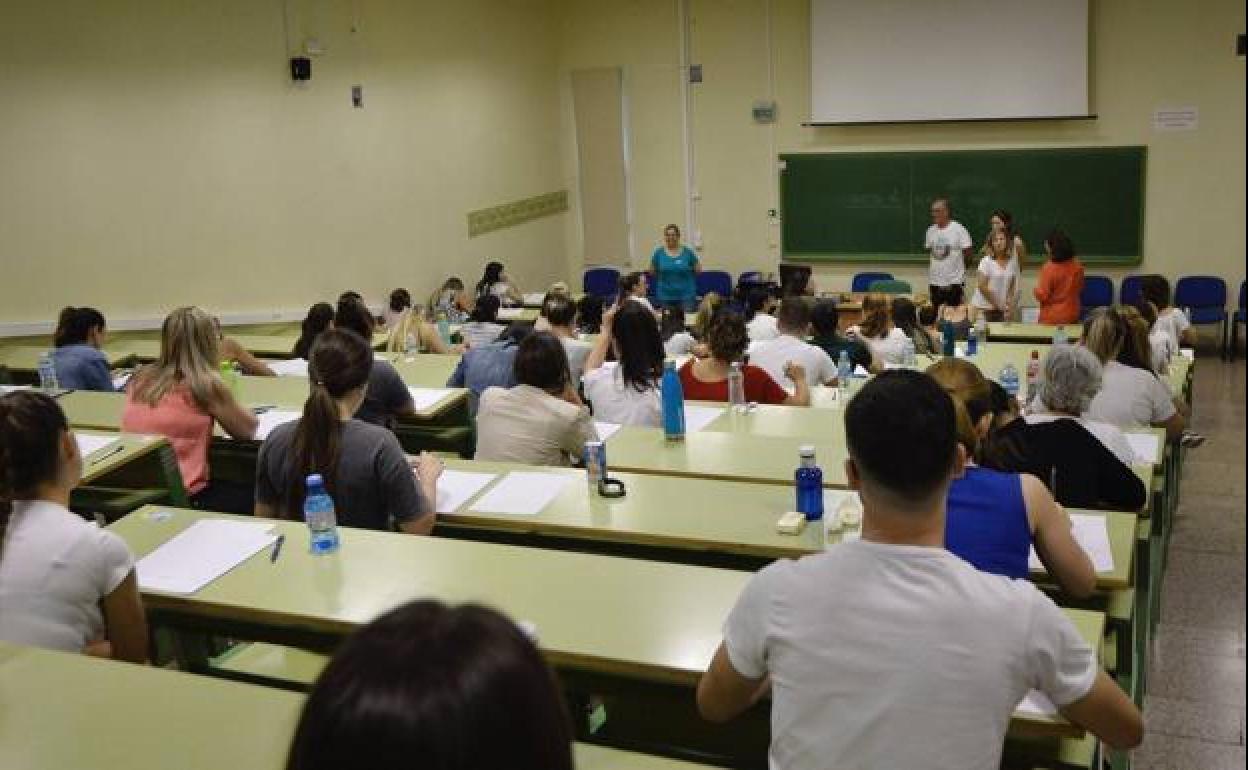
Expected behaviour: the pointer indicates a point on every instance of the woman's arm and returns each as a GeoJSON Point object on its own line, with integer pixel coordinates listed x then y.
{"type": "Point", "coordinates": [428, 469]}
{"type": "Point", "coordinates": [125, 621]}
{"type": "Point", "coordinates": [430, 340]}
{"type": "Point", "coordinates": [1056, 546]}
{"type": "Point", "coordinates": [251, 366]}
{"type": "Point", "coordinates": [801, 389]}
{"type": "Point", "coordinates": [1044, 287]}
{"type": "Point", "coordinates": [598, 354]}
{"type": "Point", "coordinates": [237, 420]}
{"type": "Point", "coordinates": [985, 288]}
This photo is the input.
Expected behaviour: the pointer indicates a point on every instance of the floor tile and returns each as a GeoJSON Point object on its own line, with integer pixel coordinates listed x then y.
{"type": "Point", "coordinates": [1204, 678]}
{"type": "Point", "coordinates": [1211, 722]}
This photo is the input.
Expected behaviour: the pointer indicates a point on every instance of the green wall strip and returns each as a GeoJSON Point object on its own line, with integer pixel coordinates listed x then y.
{"type": "Point", "coordinates": [516, 213]}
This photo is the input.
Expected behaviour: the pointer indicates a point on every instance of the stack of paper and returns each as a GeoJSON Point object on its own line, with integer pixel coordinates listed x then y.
{"type": "Point", "coordinates": [88, 444]}
{"type": "Point", "coordinates": [534, 298]}
{"type": "Point", "coordinates": [698, 417]}
{"type": "Point", "coordinates": [201, 553]}
{"type": "Point", "coordinates": [605, 429]}
{"type": "Point", "coordinates": [273, 418]}
{"type": "Point", "coordinates": [510, 313]}
{"type": "Point", "coordinates": [524, 493]}
{"type": "Point", "coordinates": [458, 487]}
{"type": "Point", "coordinates": [1144, 446]}
{"type": "Point", "coordinates": [295, 367]}
{"type": "Point", "coordinates": [425, 398]}
{"type": "Point", "coordinates": [1092, 534]}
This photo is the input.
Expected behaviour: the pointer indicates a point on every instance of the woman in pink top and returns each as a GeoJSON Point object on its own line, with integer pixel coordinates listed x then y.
{"type": "Point", "coordinates": [180, 396]}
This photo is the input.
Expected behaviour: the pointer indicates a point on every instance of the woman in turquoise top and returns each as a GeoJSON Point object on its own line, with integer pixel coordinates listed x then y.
{"type": "Point", "coordinates": [674, 266]}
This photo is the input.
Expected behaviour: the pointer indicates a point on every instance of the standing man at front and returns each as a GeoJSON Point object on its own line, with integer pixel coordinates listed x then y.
{"type": "Point", "coordinates": [949, 245]}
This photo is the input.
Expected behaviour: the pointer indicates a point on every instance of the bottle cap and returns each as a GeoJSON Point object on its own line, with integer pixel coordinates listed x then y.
{"type": "Point", "coordinates": [806, 450]}
{"type": "Point", "coordinates": [315, 479]}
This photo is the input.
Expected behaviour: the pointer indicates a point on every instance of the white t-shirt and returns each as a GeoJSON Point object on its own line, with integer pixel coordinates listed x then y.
{"type": "Point", "coordinates": [1110, 435]}
{"type": "Point", "coordinates": [1131, 398]}
{"type": "Point", "coordinates": [577, 352]}
{"type": "Point", "coordinates": [679, 344]}
{"type": "Point", "coordinates": [1163, 349]}
{"type": "Point", "coordinates": [615, 401]}
{"type": "Point", "coordinates": [945, 246]}
{"type": "Point", "coordinates": [899, 657]}
{"type": "Point", "coordinates": [762, 327]}
{"type": "Point", "coordinates": [54, 570]}
{"type": "Point", "coordinates": [889, 349]}
{"type": "Point", "coordinates": [1173, 322]}
{"type": "Point", "coordinates": [772, 355]}
{"type": "Point", "coordinates": [999, 279]}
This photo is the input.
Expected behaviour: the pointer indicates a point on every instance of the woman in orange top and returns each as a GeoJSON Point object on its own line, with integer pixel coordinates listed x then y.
{"type": "Point", "coordinates": [1061, 281]}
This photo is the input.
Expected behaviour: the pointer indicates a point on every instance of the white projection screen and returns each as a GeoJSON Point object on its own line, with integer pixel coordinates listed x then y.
{"type": "Point", "coordinates": [891, 61]}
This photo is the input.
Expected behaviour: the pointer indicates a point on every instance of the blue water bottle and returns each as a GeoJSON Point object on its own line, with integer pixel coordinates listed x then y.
{"type": "Point", "coordinates": [318, 512]}
{"type": "Point", "coordinates": [809, 477]}
{"type": "Point", "coordinates": [947, 338]}
{"type": "Point", "coordinates": [673, 397]}
{"type": "Point", "coordinates": [972, 342]}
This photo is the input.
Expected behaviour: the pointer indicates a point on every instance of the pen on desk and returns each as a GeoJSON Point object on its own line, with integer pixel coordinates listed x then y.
{"type": "Point", "coordinates": [277, 549]}
{"type": "Point", "coordinates": [106, 455]}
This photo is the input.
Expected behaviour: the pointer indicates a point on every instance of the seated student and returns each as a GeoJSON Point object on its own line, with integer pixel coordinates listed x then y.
{"type": "Point", "coordinates": [561, 314]}
{"type": "Point", "coordinates": [760, 324]}
{"type": "Point", "coordinates": [490, 365]}
{"type": "Point", "coordinates": [1084, 464]}
{"type": "Point", "coordinates": [906, 318]}
{"type": "Point", "coordinates": [1170, 319]}
{"type": "Point", "coordinates": [387, 397]}
{"type": "Point", "coordinates": [541, 420]}
{"type": "Point", "coordinates": [365, 470]}
{"type": "Point", "coordinates": [450, 301]}
{"type": "Point", "coordinates": [1161, 347]}
{"type": "Point", "coordinates": [706, 379]}
{"type": "Point", "coordinates": [928, 318]}
{"type": "Point", "coordinates": [351, 295]}
{"type": "Point", "coordinates": [956, 312]}
{"type": "Point", "coordinates": [399, 306]}
{"type": "Point", "coordinates": [80, 333]}
{"type": "Point", "coordinates": [993, 517]}
{"type": "Point", "coordinates": [180, 396]}
{"type": "Point", "coordinates": [1060, 282]}
{"type": "Point", "coordinates": [1005, 408]}
{"type": "Point", "coordinates": [886, 342]}
{"type": "Point", "coordinates": [65, 584]}
{"type": "Point", "coordinates": [793, 324]}
{"type": "Point", "coordinates": [677, 341]}
{"type": "Point", "coordinates": [319, 318]}
{"type": "Point", "coordinates": [825, 328]}
{"type": "Point", "coordinates": [589, 314]}
{"type": "Point", "coordinates": [627, 392]}
{"type": "Point", "coordinates": [411, 333]}
{"type": "Point", "coordinates": [1137, 353]}
{"type": "Point", "coordinates": [889, 651]}
{"type": "Point", "coordinates": [495, 283]}
{"type": "Point", "coordinates": [633, 288]}
{"type": "Point", "coordinates": [235, 353]}
{"type": "Point", "coordinates": [431, 686]}
{"type": "Point", "coordinates": [483, 325]}
{"type": "Point", "coordinates": [1131, 393]}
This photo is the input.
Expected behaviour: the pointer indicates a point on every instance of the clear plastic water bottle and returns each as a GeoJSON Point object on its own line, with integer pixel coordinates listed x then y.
{"type": "Point", "coordinates": [47, 373]}
{"type": "Point", "coordinates": [444, 328]}
{"type": "Point", "coordinates": [1059, 336]}
{"type": "Point", "coordinates": [1033, 374]}
{"type": "Point", "coordinates": [318, 512]}
{"type": "Point", "coordinates": [981, 331]}
{"type": "Point", "coordinates": [908, 357]}
{"type": "Point", "coordinates": [1008, 378]}
{"type": "Point", "coordinates": [409, 345]}
{"type": "Point", "coordinates": [844, 372]}
{"type": "Point", "coordinates": [736, 386]}
{"type": "Point", "coordinates": [809, 478]}
{"type": "Point", "coordinates": [672, 396]}
{"type": "Point", "coordinates": [949, 338]}
{"type": "Point", "coordinates": [972, 342]}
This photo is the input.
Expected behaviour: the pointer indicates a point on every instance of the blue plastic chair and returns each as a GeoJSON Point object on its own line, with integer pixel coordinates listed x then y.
{"type": "Point", "coordinates": [1203, 298]}
{"type": "Point", "coordinates": [718, 281]}
{"type": "Point", "coordinates": [1129, 291]}
{"type": "Point", "coordinates": [602, 282]}
{"type": "Point", "coordinates": [1241, 317]}
{"type": "Point", "coordinates": [1098, 291]}
{"type": "Point", "coordinates": [862, 281]}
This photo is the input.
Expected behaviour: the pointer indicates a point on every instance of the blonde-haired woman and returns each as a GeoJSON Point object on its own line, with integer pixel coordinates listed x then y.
{"type": "Point", "coordinates": [411, 332]}
{"type": "Point", "coordinates": [180, 396]}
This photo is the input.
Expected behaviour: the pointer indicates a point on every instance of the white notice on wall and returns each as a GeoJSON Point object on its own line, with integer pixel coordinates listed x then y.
{"type": "Point", "coordinates": [1176, 119]}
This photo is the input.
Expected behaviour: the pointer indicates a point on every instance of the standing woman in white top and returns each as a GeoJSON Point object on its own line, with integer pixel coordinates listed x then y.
{"type": "Point", "coordinates": [886, 342]}
{"type": "Point", "coordinates": [997, 280]}
{"type": "Point", "coordinates": [495, 282]}
{"type": "Point", "coordinates": [1003, 221]}
{"type": "Point", "coordinates": [65, 584]}
{"type": "Point", "coordinates": [628, 391]}
{"type": "Point", "coordinates": [633, 287]}
{"type": "Point", "coordinates": [1131, 395]}
{"type": "Point", "coordinates": [949, 246]}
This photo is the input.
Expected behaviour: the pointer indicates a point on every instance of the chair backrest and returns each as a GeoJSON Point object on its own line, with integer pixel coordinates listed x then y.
{"type": "Point", "coordinates": [889, 287]}
{"type": "Point", "coordinates": [750, 276]}
{"type": "Point", "coordinates": [1200, 291]}
{"type": "Point", "coordinates": [718, 281]}
{"type": "Point", "coordinates": [862, 281]}
{"type": "Point", "coordinates": [1098, 291]}
{"type": "Point", "coordinates": [602, 282]}
{"type": "Point", "coordinates": [1129, 291]}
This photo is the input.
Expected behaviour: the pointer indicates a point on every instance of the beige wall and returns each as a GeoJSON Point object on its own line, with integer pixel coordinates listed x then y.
{"type": "Point", "coordinates": [1145, 54]}
{"type": "Point", "coordinates": [156, 153]}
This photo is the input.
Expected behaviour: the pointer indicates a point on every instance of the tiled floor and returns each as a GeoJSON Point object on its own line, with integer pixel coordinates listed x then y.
{"type": "Point", "coordinates": [1195, 706]}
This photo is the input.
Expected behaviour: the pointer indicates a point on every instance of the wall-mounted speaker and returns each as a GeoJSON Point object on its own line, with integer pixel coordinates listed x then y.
{"type": "Point", "coordinates": [300, 68]}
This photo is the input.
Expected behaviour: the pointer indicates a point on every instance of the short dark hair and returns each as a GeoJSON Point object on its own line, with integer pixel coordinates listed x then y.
{"type": "Point", "coordinates": [354, 316]}
{"type": "Point", "coordinates": [454, 688]}
{"type": "Point", "coordinates": [350, 294]}
{"type": "Point", "coordinates": [542, 363]}
{"type": "Point", "coordinates": [400, 300]}
{"type": "Point", "coordinates": [728, 337]}
{"type": "Point", "coordinates": [590, 311]}
{"type": "Point", "coordinates": [794, 314]}
{"type": "Point", "coordinates": [630, 281]}
{"type": "Point", "coordinates": [901, 430]}
{"type": "Point", "coordinates": [318, 319]}
{"type": "Point", "coordinates": [486, 309]}
{"type": "Point", "coordinates": [755, 301]}
{"type": "Point", "coordinates": [1061, 245]}
{"type": "Point", "coordinates": [1155, 289]}
{"type": "Point", "coordinates": [559, 310]}
{"type": "Point", "coordinates": [74, 325]}
{"type": "Point", "coordinates": [825, 318]}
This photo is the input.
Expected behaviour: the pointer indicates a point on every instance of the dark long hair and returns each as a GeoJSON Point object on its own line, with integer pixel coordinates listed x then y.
{"type": "Point", "coordinates": [74, 325]}
{"type": "Point", "coordinates": [317, 320]}
{"type": "Point", "coordinates": [906, 318]}
{"type": "Point", "coordinates": [400, 300]}
{"type": "Point", "coordinates": [353, 315]}
{"type": "Point", "coordinates": [589, 311]}
{"type": "Point", "coordinates": [486, 309]}
{"type": "Point", "coordinates": [31, 426]}
{"type": "Point", "coordinates": [492, 275]}
{"type": "Point", "coordinates": [638, 346]}
{"type": "Point", "coordinates": [340, 362]}
{"type": "Point", "coordinates": [435, 687]}
{"type": "Point", "coordinates": [671, 322]}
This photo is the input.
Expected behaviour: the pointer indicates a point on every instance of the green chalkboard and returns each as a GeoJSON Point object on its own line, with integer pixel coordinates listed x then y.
{"type": "Point", "coordinates": [873, 207]}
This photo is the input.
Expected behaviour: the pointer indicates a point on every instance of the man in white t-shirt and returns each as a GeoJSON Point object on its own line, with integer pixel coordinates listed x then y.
{"type": "Point", "coordinates": [889, 651]}
{"type": "Point", "coordinates": [793, 326]}
{"type": "Point", "coordinates": [949, 245]}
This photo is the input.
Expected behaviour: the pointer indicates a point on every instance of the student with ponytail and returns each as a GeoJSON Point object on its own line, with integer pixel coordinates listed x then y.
{"type": "Point", "coordinates": [65, 584]}
{"type": "Point", "coordinates": [365, 470]}
{"type": "Point", "coordinates": [80, 332]}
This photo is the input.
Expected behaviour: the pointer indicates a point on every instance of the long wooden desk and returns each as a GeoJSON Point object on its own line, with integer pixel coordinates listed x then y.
{"type": "Point", "coordinates": [133, 452]}
{"type": "Point", "coordinates": [1029, 332]}
{"type": "Point", "coordinates": [72, 711]}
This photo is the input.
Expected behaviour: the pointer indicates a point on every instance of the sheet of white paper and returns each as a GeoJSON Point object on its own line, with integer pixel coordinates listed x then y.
{"type": "Point", "coordinates": [1144, 445]}
{"type": "Point", "coordinates": [833, 499]}
{"type": "Point", "coordinates": [11, 388]}
{"type": "Point", "coordinates": [1188, 353]}
{"type": "Point", "coordinates": [509, 313]}
{"type": "Point", "coordinates": [1031, 315]}
{"type": "Point", "coordinates": [295, 367]}
{"type": "Point", "coordinates": [382, 357]}
{"type": "Point", "coordinates": [458, 487]}
{"type": "Point", "coordinates": [1092, 535]}
{"type": "Point", "coordinates": [534, 298]}
{"type": "Point", "coordinates": [200, 554]}
{"type": "Point", "coordinates": [523, 493]}
{"type": "Point", "coordinates": [121, 380]}
{"type": "Point", "coordinates": [1036, 702]}
{"type": "Point", "coordinates": [88, 444]}
{"type": "Point", "coordinates": [425, 398]}
{"type": "Point", "coordinates": [605, 429]}
{"type": "Point", "coordinates": [860, 372]}
{"type": "Point", "coordinates": [698, 417]}
{"type": "Point", "coordinates": [273, 418]}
